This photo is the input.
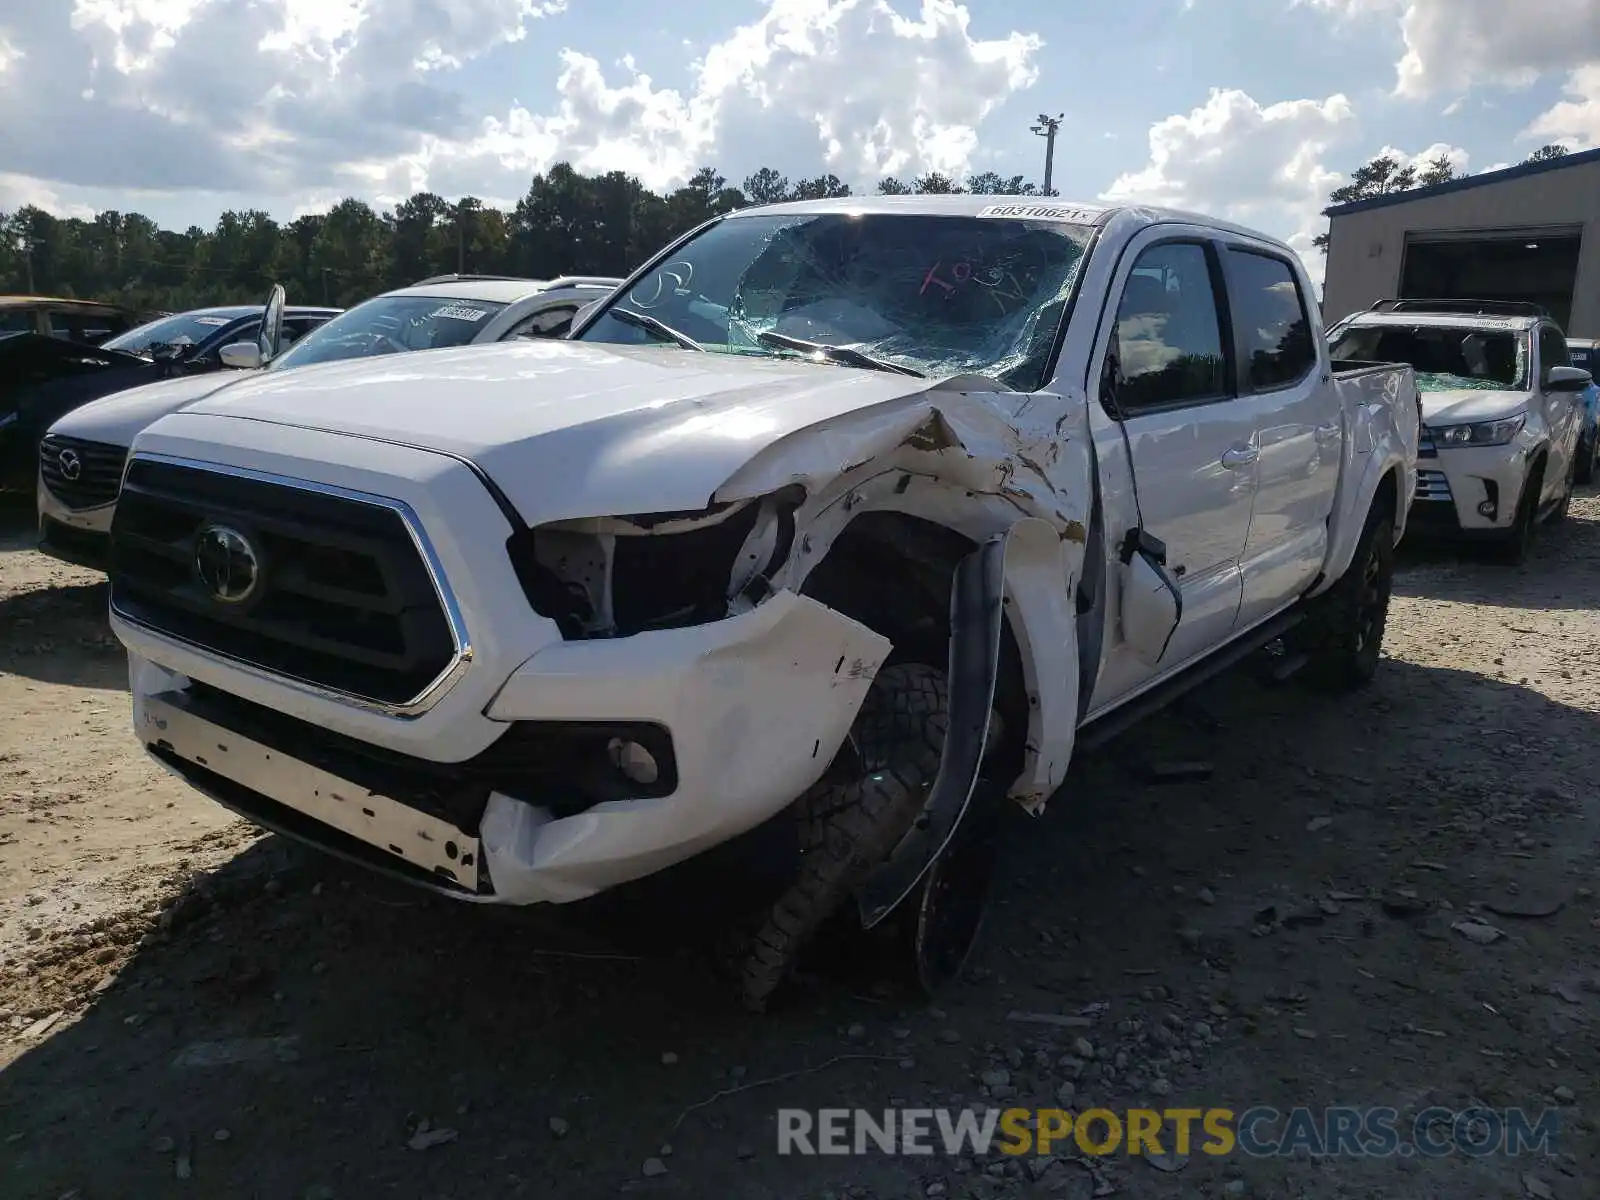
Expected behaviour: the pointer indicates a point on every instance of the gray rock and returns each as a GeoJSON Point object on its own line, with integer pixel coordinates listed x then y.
{"type": "Point", "coordinates": [653, 1167]}
{"type": "Point", "coordinates": [1083, 1048]}
{"type": "Point", "coordinates": [1564, 1094]}
{"type": "Point", "coordinates": [1066, 1093]}
{"type": "Point", "coordinates": [559, 1127]}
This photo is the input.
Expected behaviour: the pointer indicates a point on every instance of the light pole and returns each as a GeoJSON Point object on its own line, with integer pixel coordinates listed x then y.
{"type": "Point", "coordinates": [1046, 128]}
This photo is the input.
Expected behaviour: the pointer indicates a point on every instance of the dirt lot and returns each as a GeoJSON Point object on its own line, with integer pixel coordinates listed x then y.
{"type": "Point", "coordinates": [189, 1009]}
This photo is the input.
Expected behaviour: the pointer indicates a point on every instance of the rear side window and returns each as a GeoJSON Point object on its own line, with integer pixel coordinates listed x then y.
{"type": "Point", "coordinates": [1270, 313]}
{"type": "Point", "coordinates": [1168, 341]}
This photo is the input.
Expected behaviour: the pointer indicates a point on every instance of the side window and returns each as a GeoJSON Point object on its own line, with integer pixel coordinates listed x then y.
{"type": "Point", "coordinates": [1168, 340]}
{"type": "Point", "coordinates": [295, 328]}
{"type": "Point", "coordinates": [1552, 349]}
{"type": "Point", "coordinates": [16, 320]}
{"type": "Point", "coordinates": [1274, 330]}
{"type": "Point", "coordinates": [552, 322]}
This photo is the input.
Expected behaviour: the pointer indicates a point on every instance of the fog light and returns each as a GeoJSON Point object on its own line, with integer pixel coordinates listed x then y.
{"type": "Point", "coordinates": [633, 760]}
{"type": "Point", "coordinates": [1487, 508]}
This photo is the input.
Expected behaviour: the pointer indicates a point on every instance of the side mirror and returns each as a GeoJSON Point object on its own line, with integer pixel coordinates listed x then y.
{"type": "Point", "coordinates": [1152, 604]}
{"type": "Point", "coordinates": [271, 337]}
{"type": "Point", "coordinates": [243, 356]}
{"type": "Point", "coordinates": [1567, 379]}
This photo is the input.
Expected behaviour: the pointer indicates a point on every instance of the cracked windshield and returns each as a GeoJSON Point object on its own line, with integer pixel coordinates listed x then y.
{"type": "Point", "coordinates": [929, 295]}
{"type": "Point", "coordinates": [1446, 359]}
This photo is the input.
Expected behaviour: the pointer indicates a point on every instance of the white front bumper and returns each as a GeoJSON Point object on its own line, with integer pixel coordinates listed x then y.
{"type": "Point", "coordinates": [756, 706]}
{"type": "Point", "coordinates": [1460, 477]}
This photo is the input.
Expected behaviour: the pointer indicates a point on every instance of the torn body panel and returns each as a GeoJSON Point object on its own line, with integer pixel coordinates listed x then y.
{"type": "Point", "coordinates": [756, 705]}
{"type": "Point", "coordinates": [979, 463]}
{"type": "Point", "coordinates": [977, 606]}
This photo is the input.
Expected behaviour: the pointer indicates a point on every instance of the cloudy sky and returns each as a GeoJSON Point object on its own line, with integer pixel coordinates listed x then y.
{"type": "Point", "coordinates": [1249, 108]}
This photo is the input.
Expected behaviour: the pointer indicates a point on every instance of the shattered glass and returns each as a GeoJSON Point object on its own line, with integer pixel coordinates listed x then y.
{"type": "Point", "coordinates": [1445, 357]}
{"type": "Point", "coordinates": [942, 295]}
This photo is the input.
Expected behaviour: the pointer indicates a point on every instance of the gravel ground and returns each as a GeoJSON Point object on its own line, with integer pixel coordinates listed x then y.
{"type": "Point", "coordinates": [188, 1008]}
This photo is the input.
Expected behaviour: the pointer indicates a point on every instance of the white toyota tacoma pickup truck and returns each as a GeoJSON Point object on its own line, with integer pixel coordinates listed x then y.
{"type": "Point", "coordinates": [840, 520]}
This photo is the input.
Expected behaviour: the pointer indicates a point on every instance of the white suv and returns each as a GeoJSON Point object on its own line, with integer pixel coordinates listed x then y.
{"type": "Point", "coordinates": [82, 455]}
{"type": "Point", "coordinates": [1501, 412]}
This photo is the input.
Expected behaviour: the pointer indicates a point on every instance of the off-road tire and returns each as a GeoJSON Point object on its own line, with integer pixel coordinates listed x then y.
{"type": "Point", "coordinates": [1343, 630]}
{"type": "Point", "coordinates": [846, 828]}
{"type": "Point", "coordinates": [1517, 543]}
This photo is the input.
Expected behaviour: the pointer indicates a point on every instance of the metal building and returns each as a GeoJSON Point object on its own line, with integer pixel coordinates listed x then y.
{"type": "Point", "coordinates": [1530, 232]}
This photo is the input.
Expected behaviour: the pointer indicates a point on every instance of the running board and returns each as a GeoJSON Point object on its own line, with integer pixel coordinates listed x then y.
{"type": "Point", "coordinates": [1101, 730]}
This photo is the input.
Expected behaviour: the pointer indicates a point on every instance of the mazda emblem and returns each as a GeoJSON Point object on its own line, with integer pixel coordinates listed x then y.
{"type": "Point", "coordinates": [227, 565]}
{"type": "Point", "coordinates": [71, 465]}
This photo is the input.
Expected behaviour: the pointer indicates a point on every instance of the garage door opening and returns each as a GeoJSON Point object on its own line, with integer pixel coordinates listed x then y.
{"type": "Point", "coordinates": [1535, 267]}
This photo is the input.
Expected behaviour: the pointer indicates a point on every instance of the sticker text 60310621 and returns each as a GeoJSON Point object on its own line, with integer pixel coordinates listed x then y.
{"type": "Point", "coordinates": [1042, 212]}
{"type": "Point", "coordinates": [461, 312]}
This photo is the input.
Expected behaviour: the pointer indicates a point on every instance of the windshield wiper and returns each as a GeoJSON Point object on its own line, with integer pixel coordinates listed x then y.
{"type": "Point", "coordinates": [842, 355]}
{"type": "Point", "coordinates": [660, 328]}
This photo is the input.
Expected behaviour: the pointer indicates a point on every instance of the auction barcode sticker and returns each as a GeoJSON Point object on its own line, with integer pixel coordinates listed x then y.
{"type": "Point", "coordinates": [460, 312]}
{"type": "Point", "coordinates": [1041, 212]}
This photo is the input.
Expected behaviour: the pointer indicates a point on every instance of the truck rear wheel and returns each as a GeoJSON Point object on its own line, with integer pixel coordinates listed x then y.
{"type": "Point", "coordinates": [849, 826]}
{"type": "Point", "coordinates": [1343, 631]}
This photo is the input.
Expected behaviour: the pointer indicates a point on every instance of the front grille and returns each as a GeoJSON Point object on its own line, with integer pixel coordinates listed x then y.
{"type": "Point", "coordinates": [343, 598]}
{"type": "Point", "coordinates": [1432, 485]}
{"type": "Point", "coordinates": [81, 474]}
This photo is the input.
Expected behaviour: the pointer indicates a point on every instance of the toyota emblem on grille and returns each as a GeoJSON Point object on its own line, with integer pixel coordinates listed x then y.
{"type": "Point", "coordinates": [70, 464]}
{"type": "Point", "coordinates": [227, 565]}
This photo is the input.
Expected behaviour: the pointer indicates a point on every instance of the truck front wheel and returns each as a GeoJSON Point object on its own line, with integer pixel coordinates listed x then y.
{"type": "Point", "coordinates": [850, 824]}
{"type": "Point", "coordinates": [1343, 631]}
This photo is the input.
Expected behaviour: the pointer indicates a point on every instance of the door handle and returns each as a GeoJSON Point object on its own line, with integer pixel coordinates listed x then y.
{"type": "Point", "coordinates": [1328, 432]}
{"type": "Point", "coordinates": [1239, 456]}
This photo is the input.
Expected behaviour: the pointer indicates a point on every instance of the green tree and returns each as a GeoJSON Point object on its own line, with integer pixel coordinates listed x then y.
{"type": "Point", "coordinates": [989, 183]}
{"type": "Point", "coordinates": [1439, 170]}
{"type": "Point", "coordinates": [766, 186]}
{"type": "Point", "coordinates": [1379, 177]}
{"type": "Point", "coordinates": [1547, 153]}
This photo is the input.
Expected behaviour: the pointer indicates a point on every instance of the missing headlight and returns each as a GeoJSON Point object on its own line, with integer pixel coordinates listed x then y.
{"type": "Point", "coordinates": [616, 576]}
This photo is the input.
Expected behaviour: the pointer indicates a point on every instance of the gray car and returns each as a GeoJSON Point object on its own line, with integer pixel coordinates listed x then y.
{"type": "Point", "coordinates": [81, 456]}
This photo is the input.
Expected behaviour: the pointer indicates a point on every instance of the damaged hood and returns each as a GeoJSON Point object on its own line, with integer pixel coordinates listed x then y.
{"type": "Point", "coordinates": [1458, 406]}
{"type": "Point", "coordinates": [117, 419]}
{"type": "Point", "coordinates": [572, 429]}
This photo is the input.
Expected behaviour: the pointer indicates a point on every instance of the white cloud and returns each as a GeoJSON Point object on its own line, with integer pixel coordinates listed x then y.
{"type": "Point", "coordinates": [264, 96]}
{"type": "Point", "coordinates": [1423, 159]}
{"type": "Point", "coordinates": [1575, 122]}
{"type": "Point", "coordinates": [18, 191]}
{"type": "Point", "coordinates": [289, 98]}
{"type": "Point", "coordinates": [1451, 45]}
{"type": "Point", "coordinates": [869, 90]}
{"type": "Point", "coordinates": [1261, 165]}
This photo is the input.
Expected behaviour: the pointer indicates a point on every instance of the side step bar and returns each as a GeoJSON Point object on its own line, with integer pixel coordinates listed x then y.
{"type": "Point", "coordinates": [1101, 730]}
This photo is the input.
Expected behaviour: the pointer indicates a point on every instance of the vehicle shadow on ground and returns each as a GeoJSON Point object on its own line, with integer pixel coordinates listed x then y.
{"type": "Point", "coordinates": [1468, 572]}
{"type": "Point", "coordinates": [61, 635]}
{"type": "Point", "coordinates": [319, 1015]}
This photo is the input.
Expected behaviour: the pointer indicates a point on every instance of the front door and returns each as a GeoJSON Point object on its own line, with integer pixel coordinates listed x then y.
{"type": "Point", "coordinates": [1168, 403]}
{"type": "Point", "coordinates": [1297, 425]}
{"type": "Point", "coordinates": [1563, 413]}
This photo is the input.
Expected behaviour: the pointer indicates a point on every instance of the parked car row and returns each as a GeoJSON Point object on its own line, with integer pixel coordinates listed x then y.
{"type": "Point", "coordinates": [80, 460]}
